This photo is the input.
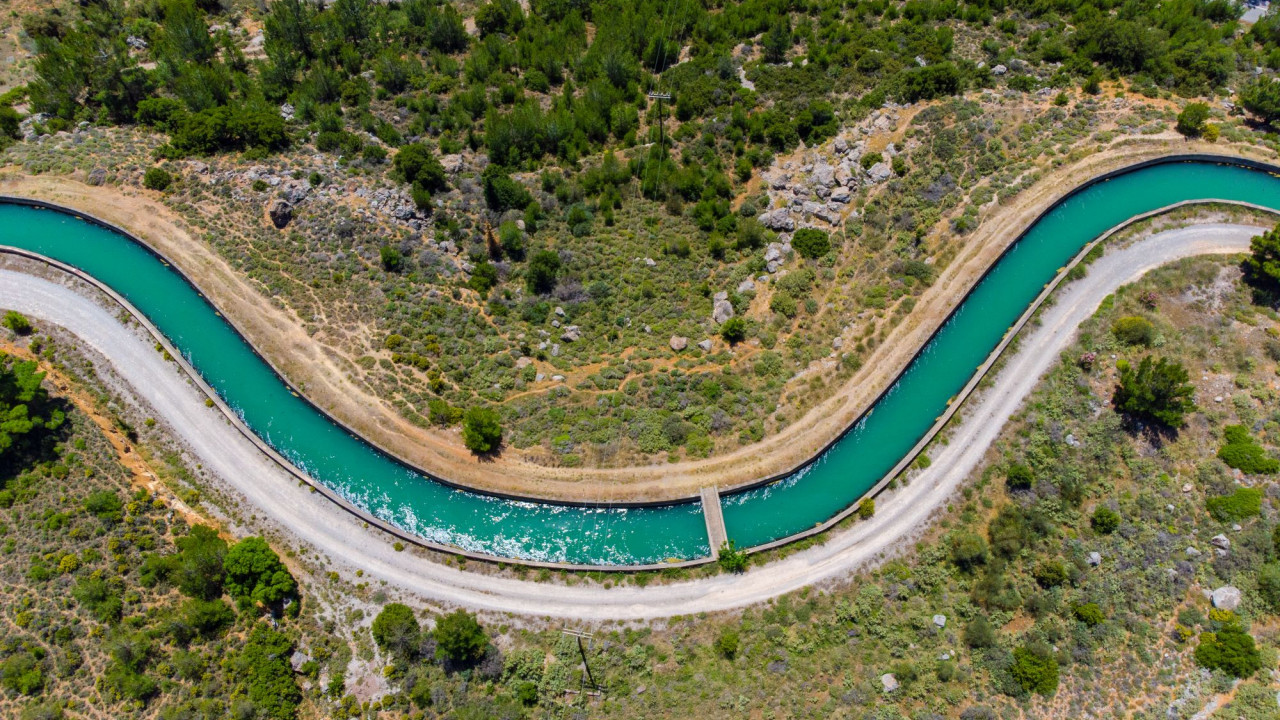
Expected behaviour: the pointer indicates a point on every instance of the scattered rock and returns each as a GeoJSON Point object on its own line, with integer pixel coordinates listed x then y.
{"type": "Point", "coordinates": [889, 682]}
{"type": "Point", "coordinates": [841, 195]}
{"type": "Point", "coordinates": [1095, 558]}
{"type": "Point", "coordinates": [747, 285]}
{"type": "Point", "coordinates": [999, 70]}
{"type": "Point", "coordinates": [558, 311]}
{"type": "Point", "coordinates": [837, 342]}
{"type": "Point", "coordinates": [452, 163]}
{"type": "Point", "coordinates": [1187, 487]}
{"type": "Point", "coordinates": [298, 659]}
{"type": "Point", "coordinates": [940, 621]}
{"type": "Point", "coordinates": [524, 362]}
{"type": "Point", "coordinates": [650, 262]}
{"type": "Point", "coordinates": [1227, 597]}
{"type": "Point", "coordinates": [287, 112]}
{"type": "Point", "coordinates": [557, 378]}
{"type": "Point", "coordinates": [679, 343]}
{"type": "Point", "coordinates": [1192, 552]}
{"type": "Point", "coordinates": [705, 345]}
{"type": "Point", "coordinates": [571, 334]}
{"type": "Point", "coordinates": [1220, 541]}
{"type": "Point", "coordinates": [879, 172]}
{"type": "Point", "coordinates": [281, 213]}
{"type": "Point", "coordinates": [1072, 441]}
{"type": "Point", "coordinates": [97, 176]}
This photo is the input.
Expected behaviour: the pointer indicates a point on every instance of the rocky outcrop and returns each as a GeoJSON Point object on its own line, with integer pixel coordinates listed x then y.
{"type": "Point", "coordinates": [281, 213]}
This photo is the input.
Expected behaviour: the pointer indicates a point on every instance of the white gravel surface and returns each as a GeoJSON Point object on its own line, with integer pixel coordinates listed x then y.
{"type": "Point", "coordinates": [901, 515]}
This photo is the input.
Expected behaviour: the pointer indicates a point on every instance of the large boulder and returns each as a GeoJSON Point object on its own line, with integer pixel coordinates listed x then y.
{"type": "Point", "coordinates": [1227, 597]}
{"type": "Point", "coordinates": [824, 174]}
{"type": "Point", "coordinates": [571, 334]}
{"type": "Point", "coordinates": [679, 343]}
{"type": "Point", "coordinates": [281, 213]}
{"type": "Point", "coordinates": [879, 172]}
{"type": "Point", "coordinates": [721, 311]}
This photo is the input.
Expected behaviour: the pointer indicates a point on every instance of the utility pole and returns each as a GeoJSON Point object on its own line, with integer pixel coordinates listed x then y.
{"type": "Point", "coordinates": [662, 137]}
{"type": "Point", "coordinates": [583, 652]}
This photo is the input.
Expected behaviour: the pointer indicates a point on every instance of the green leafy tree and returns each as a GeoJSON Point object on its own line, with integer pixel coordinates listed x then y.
{"type": "Point", "coordinates": [481, 430]}
{"type": "Point", "coordinates": [734, 330]}
{"type": "Point", "coordinates": [254, 571]}
{"type": "Point", "coordinates": [396, 631]}
{"type": "Point", "coordinates": [1192, 119]}
{"type": "Point", "coordinates": [459, 638]}
{"type": "Point", "coordinates": [1262, 98]}
{"type": "Point", "coordinates": [208, 618]}
{"type": "Point", "coordinates": [27, 414]}
{"type": "Point", "coordinates": [1263, 263]}
{"type": "Point", "coordinates": [1157, 391]}
{"type": "Point", "coordinates": [417, 165]}
{"type": "Point", "coordinates": [483, 277]}
{"type": "Point", "coordinates": [544, 267]}
{"type": "Point", "coordinates": [811, 243]}
{"type": "Point", "coordinates": [263, 675]}
{"type": "Point", "coordinates": [501, 192]}
{"type": "Point", "coordinates": [200, 573]}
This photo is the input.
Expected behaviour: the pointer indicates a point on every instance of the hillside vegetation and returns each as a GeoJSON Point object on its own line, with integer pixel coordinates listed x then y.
{"type": "Point", "coordinates": [484, 207]}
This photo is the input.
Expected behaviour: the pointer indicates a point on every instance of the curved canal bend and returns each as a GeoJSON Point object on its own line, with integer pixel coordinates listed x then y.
{"type": "Point", "coordinates": [530, 530]}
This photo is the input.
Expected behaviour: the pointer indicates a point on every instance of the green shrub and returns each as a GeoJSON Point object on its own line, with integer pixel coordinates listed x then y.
{"type": "Point", "coordinates": [1035, 669]}
{"type": "Point", "coordinates": [968, 549]}
{"type": "Point", "coordinates": [1019, 477]}
{"type": "Point", "coordinates": [1231, 650]}
{"type": "Point", "coordinates": [1269, 586]}
{"type": "Point", "coordinates": [979, 633]}
{"type": "Point", "coordinates": [1241, 504]}
{"type": "Point", "coordinates": [1134, 330]}
{"type": "Point", "coordinates": [811, 243]}
{"type": "Point", "coordinates": [1104, 520]}
{"type": "Point", "coordinates": [732, 559]}
{"type": "Point", "coordinates": [255, 572]}
{"type": "Point", "coordinates": [1243, 453]}
{"type": "Point", "coordinates": [726, 644]}
{"type": "Point", "coordinates": [1088, 613]}
{"type": "Point", "coordinates": [17, 322]}
{"type": "Point", "coordinates": [157, 178]}
{"type": "Point", "coordinates": [417, 165]}
{"type": "Point", "coordinates": [392, 260]}
{"type": "Point", "coordinates": [1050, 573]}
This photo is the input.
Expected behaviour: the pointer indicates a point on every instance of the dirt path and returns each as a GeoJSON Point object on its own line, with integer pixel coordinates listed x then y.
{"type": "Point", "coordinates": [280, 336]}
{"type": "Point", "coordinates": [901, 514]}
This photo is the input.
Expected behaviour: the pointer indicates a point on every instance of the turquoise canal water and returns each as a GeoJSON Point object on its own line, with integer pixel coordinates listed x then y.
{"type": "Point", "coordinates": [622, 536]}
